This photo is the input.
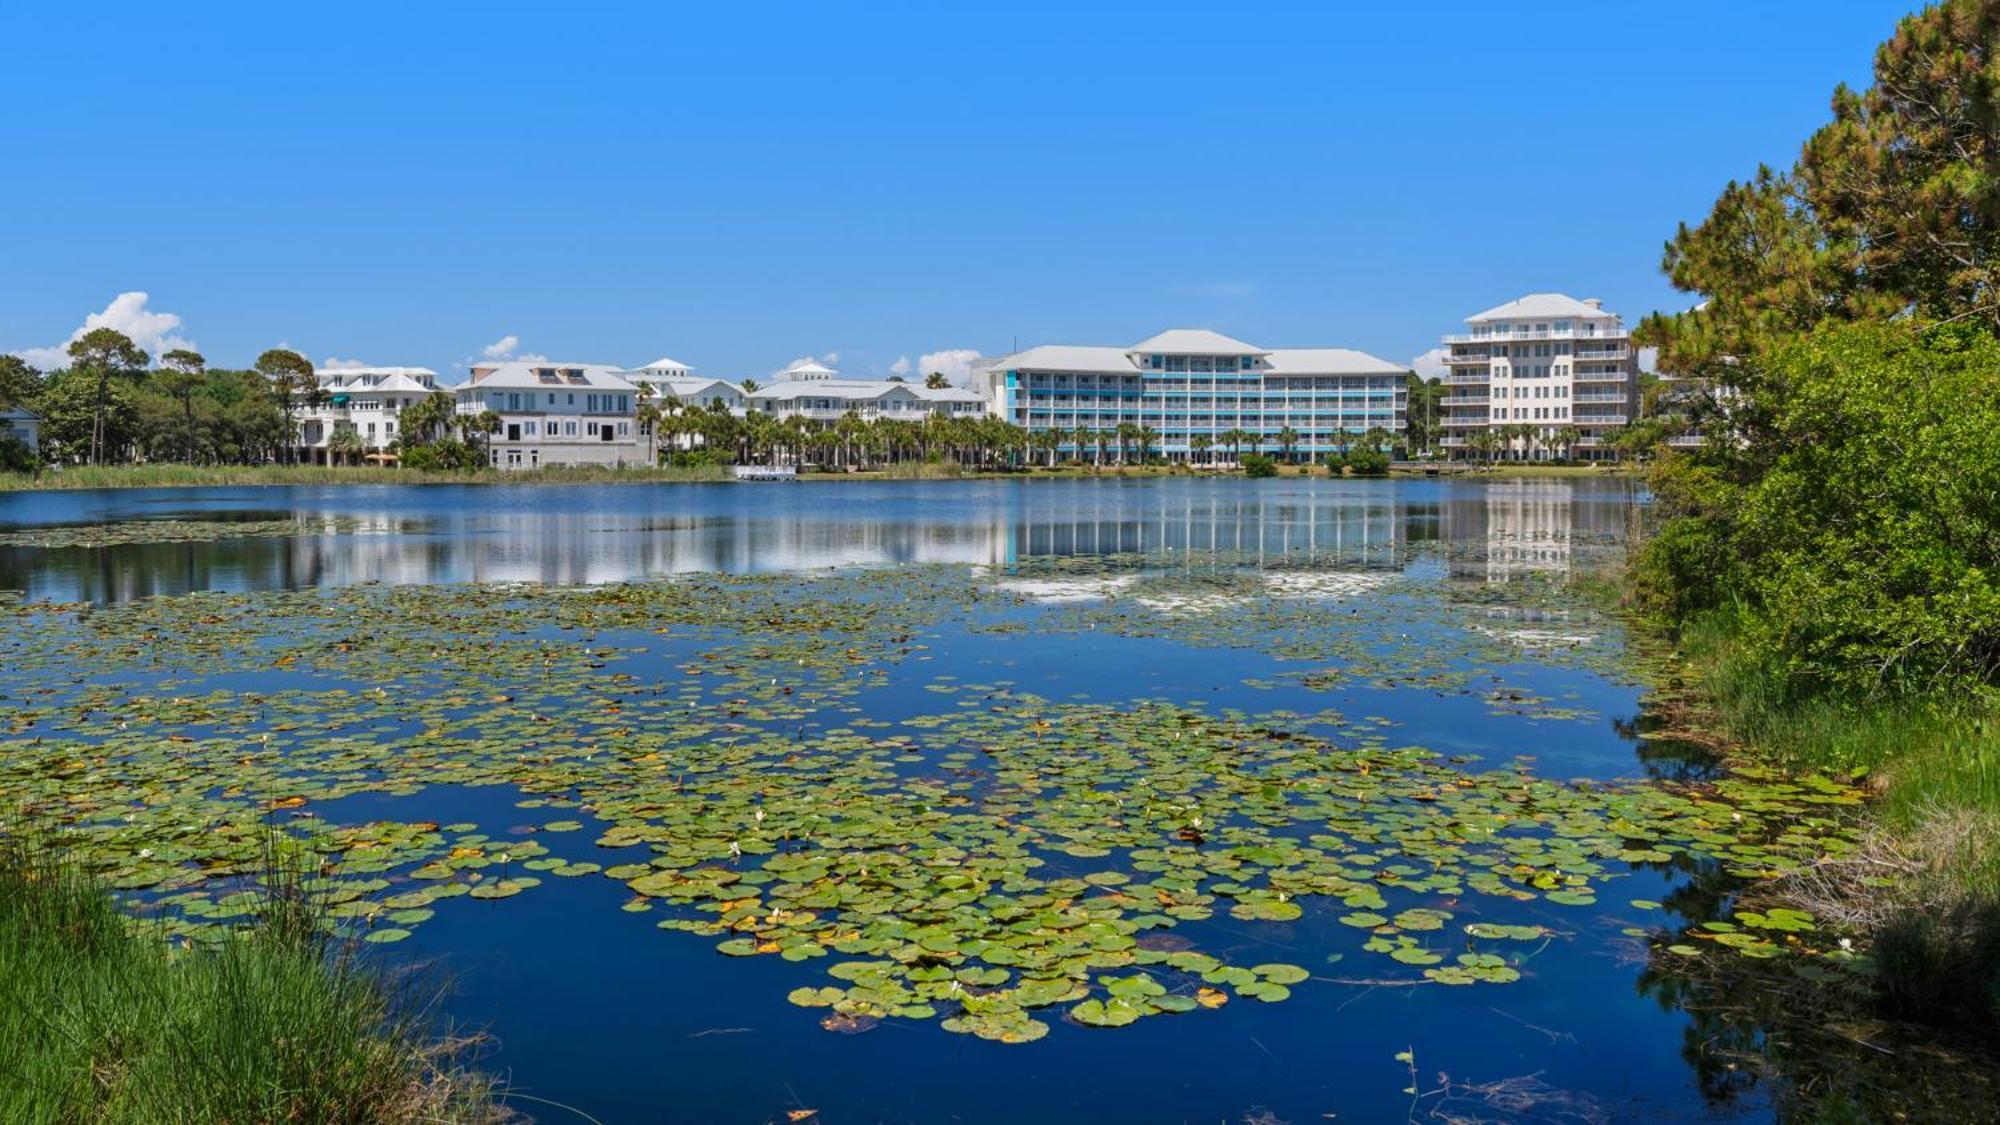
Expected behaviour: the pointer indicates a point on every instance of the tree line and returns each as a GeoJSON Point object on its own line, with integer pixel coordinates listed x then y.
{"type": "Point", "coordinates": [112, 405]}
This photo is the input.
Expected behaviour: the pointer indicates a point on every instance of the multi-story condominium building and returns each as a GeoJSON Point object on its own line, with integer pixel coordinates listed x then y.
{"type": "Point", "coordinates": [364, 400]}
{"type": "Point", "coordinates": [556, 413]}
{"type": "Point", "coordinates": [23, 425]}
{"type": "Point", "coordinates": [1546, 375]}
{"type": "Point", "coordinates": [1194, 387]}
{"type": "Point", "coordinates": [811, 390]}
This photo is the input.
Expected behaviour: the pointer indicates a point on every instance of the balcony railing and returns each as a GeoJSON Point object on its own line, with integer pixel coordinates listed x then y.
{"type": "Point", "coordinates": [1600, 419]}
{"type": "Point", "coordinates": [1464, 380]}
{"type": "Point", "coordinates": [1465, 359]}
{"type": "Point", "coordinates": [1603, 333]}
{"type": "Point", "coordinates": [1601, 377]}
{"type": "Point", "coordinates": [1600, 396]}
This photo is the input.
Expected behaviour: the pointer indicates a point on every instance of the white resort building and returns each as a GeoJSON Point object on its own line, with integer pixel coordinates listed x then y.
{"type": "Point", "coordinates": [1193, 388]}
{"type": "Point", "coordinates": [556, 413]}
{"type": "Point", "coordinates": [1545, 375]}
{"type": "Point", "coordinates": [23, 425]}
{"type": "Point", "coordinates": [811, 390]}
{"type": "Point", "coordinates": [366, 401]}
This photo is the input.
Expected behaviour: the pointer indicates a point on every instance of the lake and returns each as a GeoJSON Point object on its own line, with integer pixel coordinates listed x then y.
{"type": "Point", "coordinates": [1158, 799]}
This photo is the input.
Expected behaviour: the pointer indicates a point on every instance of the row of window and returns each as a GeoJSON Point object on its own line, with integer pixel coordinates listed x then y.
{"type": "Point", "coordinates": [568, 429]}
{"type": "Point", "coordinates": [517, 401]}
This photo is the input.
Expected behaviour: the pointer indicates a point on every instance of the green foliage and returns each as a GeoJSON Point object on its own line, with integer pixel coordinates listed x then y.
{"type": "Point", "coordinates": [16, 457]}
{"type": "Point", "coordinates": [18, 381]}
{"type": "Point", "coordinates": [445, 455]}
{"type": "Point", "coordinates": [1366, 461]}
{"type": "Point", "coordinates": [102, 1021]}
{"type": "Point", "coordinates": [1864, 556]}
{"type": "Point", "coordinates": [1257, 466]}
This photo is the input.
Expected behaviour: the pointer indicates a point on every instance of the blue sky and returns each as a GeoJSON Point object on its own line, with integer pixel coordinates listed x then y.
{"type": "Point", "coordinates": [740, 185]}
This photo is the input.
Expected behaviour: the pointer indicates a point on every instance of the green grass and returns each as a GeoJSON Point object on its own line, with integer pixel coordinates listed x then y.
{"type": "Point", "coordinates": [102, 1021]}
{"type": "Point", "coordinates": [170, 476]}
{"type": "Point", "coordinates": [1923, 891]}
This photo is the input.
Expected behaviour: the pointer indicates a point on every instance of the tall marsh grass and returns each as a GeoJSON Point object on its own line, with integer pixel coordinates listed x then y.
{"type": "Point", "coordinates": [101, 1020]}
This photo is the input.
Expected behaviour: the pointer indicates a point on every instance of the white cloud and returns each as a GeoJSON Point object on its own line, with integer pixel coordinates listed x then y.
{"type": "Point", "coordinates": [831, 359]}
{"type": "Point", "coordinates": [1649, 359]}
{"type": "Point", "coordinates": [334, 363]}
{"type": "Point", "coordinates": [955, 363]}
{"type": "Point", "coordinates": [156, 332]}
{"type": "Point", "coordinates": [501, 348]}
{"type": "Point", "coordinates": [901, 366]}
{"type": "Point", "coordinates": [1430, 365]}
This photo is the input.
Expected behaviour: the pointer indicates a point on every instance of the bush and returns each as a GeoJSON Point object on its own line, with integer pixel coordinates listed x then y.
{"type": "Point", "coordinates": [1335, 463]}
{"type": "Point", "coordinates": [1258, 465]}
{"type": "Point", "coordinates": [443, 456]}
{"type": "Point", "coordinates": [16, 457]}
{"type": "Point", "coordinates": [1860, 533]}
{"type": "Point", "coordinates": [1368, 463]}
{"type": "Point", "coordinates": [703, 457]}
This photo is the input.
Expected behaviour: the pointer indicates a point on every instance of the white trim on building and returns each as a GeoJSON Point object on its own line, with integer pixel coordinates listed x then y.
{"type": "Point", "coordinates": [1186, 383]}
{"type": "Point", "coordinates": [1546, 360]}
{"type": "Point", "coordinates": [369, 399]}
{"type": "Point", "coordinates": [23, 424]}
{"type": "Point", "coordinates": [555, 413]}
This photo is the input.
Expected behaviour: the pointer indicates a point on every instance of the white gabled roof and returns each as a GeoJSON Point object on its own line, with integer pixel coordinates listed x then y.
{"type": "Point", "coordinates": [1194, 341]}
{"type": "Point", "coordinates": [1329, 361]}
{"type": "Point", "coordinates": [684, 385]}
{"type": "Point", "coordinates": [805, 368]}
{"type": "Point", "coordinates": [1068, 357]}
{"type": "Point", "coordinates": [1539, 304]}
{"type": "Point", "coordinates": [346, 372]}
{"type": "Point", "coordinates": [665, 363]}
{"type": "Point", "coordinates": [20, 412]}
{"type": "Point", "coordinates": [518, 376]}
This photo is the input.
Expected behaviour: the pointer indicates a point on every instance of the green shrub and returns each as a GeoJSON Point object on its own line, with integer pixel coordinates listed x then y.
{"type": "Point", "coordinates": [1258, 465]}
{"type": "Point", "coordinates": [16, 457]}
{"type": "Point", "coordinates": [1368, 462]}
{"type": "Point", "coordinates": [1860, 535]}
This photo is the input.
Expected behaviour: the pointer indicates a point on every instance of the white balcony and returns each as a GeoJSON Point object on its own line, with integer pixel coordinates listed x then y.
{"type": "Point", "coordinates": [1602, 333]}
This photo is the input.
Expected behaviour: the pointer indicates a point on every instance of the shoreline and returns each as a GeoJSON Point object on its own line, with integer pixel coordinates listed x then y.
{"type": "Point", "coordinates": [82, 479]}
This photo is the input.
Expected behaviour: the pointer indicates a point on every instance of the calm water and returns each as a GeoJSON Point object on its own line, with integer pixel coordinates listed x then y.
{"type": "Point", "coordinates": [598, 1009]}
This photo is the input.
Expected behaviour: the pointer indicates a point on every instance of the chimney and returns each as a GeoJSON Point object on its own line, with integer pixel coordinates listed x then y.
{"type": "Point", "coordinates": [1594, 302]}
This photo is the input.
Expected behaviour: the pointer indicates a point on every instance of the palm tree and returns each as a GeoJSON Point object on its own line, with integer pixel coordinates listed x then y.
{"type": "Point", "coordinates": [1126, 432]}
{"type": "Point", "coordinates": [1566, 438]}
{"type": "Point", "coordinates": [479, 430]}
{"type": "Point", "coordinates": [344, 444]}
{"type": "Point", "coordinates": [936, 381]}
{"type": "Point", "coordinates": [1145, 437]}
{"type": "Point", "coordinates": [1288, 440]}
{"type": "Point", "coordinates": [1199, 445]}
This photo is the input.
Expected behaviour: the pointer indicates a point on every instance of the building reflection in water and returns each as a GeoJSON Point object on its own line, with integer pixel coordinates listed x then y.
{"type": "Point", "coordinates": [1513, 528]}
{"type": "Point", "coordinates": [1487, 531]}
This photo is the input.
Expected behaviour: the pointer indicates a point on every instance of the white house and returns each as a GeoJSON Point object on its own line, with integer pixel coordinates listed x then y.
{"type": "Point", "coordinates": [366, 400]}
{"type": "Point", "coordinates": [23, 425]}
{"type": "Point", "coordinates": [556, 413]}
{"type": "Point", "coordinates": [809, 389]}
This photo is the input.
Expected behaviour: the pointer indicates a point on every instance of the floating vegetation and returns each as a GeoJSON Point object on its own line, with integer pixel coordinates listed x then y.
{"type": "Point", "coordinates": [768, 764]}
{"type": "Point", "coordinates": [175, 531]}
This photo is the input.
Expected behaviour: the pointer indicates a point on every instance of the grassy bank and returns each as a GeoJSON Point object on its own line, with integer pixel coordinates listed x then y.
{"type": "Point", "coordinates": [101, 1021]}
{"type": "Point", "coordinates": [182, 476]}
{"type": "Point", "coordinates": [1923, 893]}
